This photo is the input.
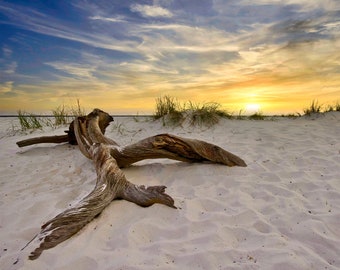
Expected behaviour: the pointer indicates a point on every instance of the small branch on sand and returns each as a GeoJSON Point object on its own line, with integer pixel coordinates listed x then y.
{"type": "Point", "coordinates": [44, 139]}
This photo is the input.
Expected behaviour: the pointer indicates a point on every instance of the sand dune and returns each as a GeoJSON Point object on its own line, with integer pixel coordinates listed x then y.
{"type": "Point", "coordinates": [280, 212]}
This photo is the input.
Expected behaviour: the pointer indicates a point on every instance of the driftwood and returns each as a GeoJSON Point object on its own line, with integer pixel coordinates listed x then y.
{"type": "Point", "coordinates": [44, 139]}
{"type": "Point", "coordinates": [111, 183]}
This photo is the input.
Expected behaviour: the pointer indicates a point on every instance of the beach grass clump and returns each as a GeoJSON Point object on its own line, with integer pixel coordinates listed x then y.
{"type": "Point", "coordinates": [256, 116]}
{"type": "Point", "coordinates": [337, 106]}
{"type": "Point", "coordinates": [169, 110]}
{"type": "Point", "coordinates": [329, 108]}
{"type": "Point", "coordinates": [166, 105]}
{"type": "Point", "coordinates": [314, 107]}
{"type": "Point", "coordinates": [65, 115]}
{"type": "Point", "coordinates": [292, 115]}
{"type": "Point", "coordinates": [174, 113]}
{"type": "Point", "coordinates": [29, 121]}
{"type": "Point", "coordinates": [207, 114]}
{"type": "Point", "coordinates": [77, 110]}
{"type": "Point", "coordinates": [61, 115]}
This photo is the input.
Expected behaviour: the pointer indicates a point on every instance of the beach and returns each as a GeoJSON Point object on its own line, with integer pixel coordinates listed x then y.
{"type": "Point", "coordinates": [282, 211]}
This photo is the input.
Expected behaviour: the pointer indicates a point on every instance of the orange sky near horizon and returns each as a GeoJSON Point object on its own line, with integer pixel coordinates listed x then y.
{"type": "Point", "coordinates": [271, 93]}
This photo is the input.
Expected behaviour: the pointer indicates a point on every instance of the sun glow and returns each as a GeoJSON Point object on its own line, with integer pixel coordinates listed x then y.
{"type": "Point", "coordinates": [252, 108]}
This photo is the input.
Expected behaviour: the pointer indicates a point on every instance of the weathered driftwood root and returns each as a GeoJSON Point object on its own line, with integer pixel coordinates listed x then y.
{"type": "Point", "coordinates": [111, 183]}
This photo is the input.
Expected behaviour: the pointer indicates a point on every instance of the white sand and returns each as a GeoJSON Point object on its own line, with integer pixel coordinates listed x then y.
{"type": "Point", "coordinates": [281, 212]}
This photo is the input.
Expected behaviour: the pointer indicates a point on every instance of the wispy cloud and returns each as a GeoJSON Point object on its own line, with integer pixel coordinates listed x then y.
{"type": "Point", "coordinates": [302, 5]}
{"type": "Point", "coordinates": [74, 69]}
{"type": "Point", "coordinates": [6, 87]}
{"type": "Point", "coordinates": [108, 19]}
{"type": "Point", "coordinates": [7, 52]}
{"type": "Point", "coordinates": [10, 68]}
{"type": "Point", "coordinates": [151, 11]}
{"type": "Point", "coordinates": [38, 22]}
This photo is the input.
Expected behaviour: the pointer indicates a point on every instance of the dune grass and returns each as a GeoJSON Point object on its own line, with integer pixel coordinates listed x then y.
{"type": "Point", "coordinates": [169, 110]}
{"type": "Point", "coordinates": [335, 107]}
{"type": "Point", "coordinates": [256, 116]}
{"type": "Point", "coordinates": [174, 113]}
{"type": "Point", "coordinates": [29, 121]}
{"type": "Point", "coordinates": [166, 105]}
{"type": "Point", "coordinates": [315, 108]}
{"type": "Point", "coordinates": [62, 115]}
{"type": "Point", "coordinates": [205, 114]}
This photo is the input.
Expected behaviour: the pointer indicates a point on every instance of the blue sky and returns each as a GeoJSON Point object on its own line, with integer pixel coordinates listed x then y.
{"type": "Point", "coordinates": [120, 55]}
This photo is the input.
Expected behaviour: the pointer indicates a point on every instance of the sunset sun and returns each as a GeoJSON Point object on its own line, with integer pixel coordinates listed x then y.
{"type": "Point", "coordinates": [252, 108]}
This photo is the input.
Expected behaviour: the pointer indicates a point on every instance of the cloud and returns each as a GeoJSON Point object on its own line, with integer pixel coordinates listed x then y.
{"type": "Point", "coordinates": [7, 52]}
{"type": "Point", "coordinates": [304, 5]}
{"type": "Point", "coordinates": [32, 20]}
{"type": "Point", "coordinates": [11, 67]}
{"type": "Point", "coordinates": [77, 70]}
{"type": "Point", "coordinates": [6, 87]}
{"type": "Point", "coordinates": [108, 19]}
{"type": "Point", "coordinates": [151, 11]}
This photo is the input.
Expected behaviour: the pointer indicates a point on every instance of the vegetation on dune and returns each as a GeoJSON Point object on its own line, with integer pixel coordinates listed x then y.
{"type": "Point", "coordinates": [256, 116]}
{"type": "Point", "coordinates": [315, 107]}
{"type": "Point", "coordinates": [169, 110]}
{"type": "Point", "coordinates": [29, 121]}
{"type": "Point", "coordinates": [172, 112]}
{"type": "Point", "coordinates": [335, 107]}
{"type": "Point", "coordinates": [206, 113]}
{"type": "Point", "coordinates": [62, 115]}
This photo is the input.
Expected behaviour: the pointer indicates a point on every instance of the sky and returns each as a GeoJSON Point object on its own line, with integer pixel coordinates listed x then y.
{"type": "Point", "coordinates": [271, 56]}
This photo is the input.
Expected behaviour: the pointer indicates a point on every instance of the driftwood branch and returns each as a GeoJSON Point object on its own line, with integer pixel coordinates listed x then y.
{"type": "Point", "coordinates": [104, 120]}
{"type": "Point", "coordinates": [44, 139]}
{"type": "Point", "coordinates": [174, 147]}
{"type": "Point", "coordinates": [111, 183]}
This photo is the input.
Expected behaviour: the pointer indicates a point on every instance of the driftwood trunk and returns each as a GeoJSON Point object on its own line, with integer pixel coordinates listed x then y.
{"type": "Point", "coordinates": [111, 183]}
